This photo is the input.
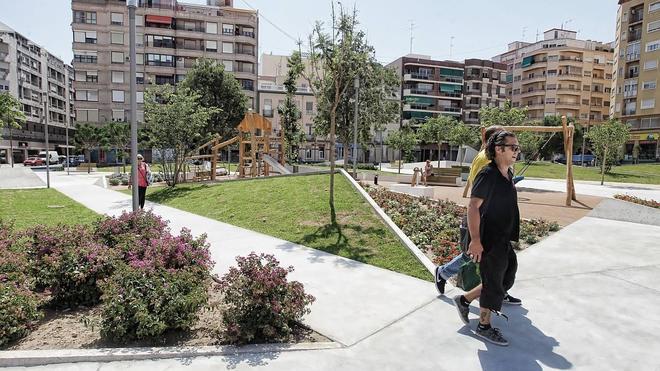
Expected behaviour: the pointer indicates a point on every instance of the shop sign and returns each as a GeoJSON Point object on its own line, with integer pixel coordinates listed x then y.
{"type": "Point", "coordinates": [647, 136]}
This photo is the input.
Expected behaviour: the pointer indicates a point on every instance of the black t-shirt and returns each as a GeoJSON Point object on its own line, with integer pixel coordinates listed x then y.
{"type": "Point", "coordinates": [500, 217]}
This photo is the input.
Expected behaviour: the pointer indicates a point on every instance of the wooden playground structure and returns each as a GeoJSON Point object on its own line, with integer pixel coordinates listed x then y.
{"type": "Point", "coordinates": [568, 130]}
{"type": "Point", "coordinates": [259, 151]}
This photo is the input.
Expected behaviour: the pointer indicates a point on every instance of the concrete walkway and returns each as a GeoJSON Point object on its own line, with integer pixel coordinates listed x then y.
{"type": "Point", "coordinates": [19, 177]}
{"type": "Point", "coordinates": [588, 291]}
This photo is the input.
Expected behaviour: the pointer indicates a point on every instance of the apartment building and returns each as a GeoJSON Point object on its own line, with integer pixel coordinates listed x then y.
{"type": "Point", "coordinates": [43, 85]}
{"type": "Point", "coordinates": [635, 97]}
{"type": "Point", "coordinates": [560, 75]}
{"type": "Point", "coordinates": [485, 86]}
{"type": "Point", "coordinates": [171, 35]}
{"type": "Point", "coordinates": [271, 95]}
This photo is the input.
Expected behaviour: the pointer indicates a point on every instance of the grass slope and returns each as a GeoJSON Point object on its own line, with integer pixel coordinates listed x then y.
{"type": "Point", "coordinates": [296, 209]}
{"type": "Point", "coordinates": [29, 207]}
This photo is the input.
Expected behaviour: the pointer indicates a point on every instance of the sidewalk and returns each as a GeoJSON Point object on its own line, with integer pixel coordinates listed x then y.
{"type": "Point", "coordinates": [19, 177]}
{"type": "Point", "coordinates": [588, 292]}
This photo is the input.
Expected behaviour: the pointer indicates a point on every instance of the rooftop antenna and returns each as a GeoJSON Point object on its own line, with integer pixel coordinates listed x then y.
{"type": "Point", "coordinates": [451, 45]}
{"type": "Point", "coordinates": [565, 23]}
{"type": "Point", "coordinates": [537, 35]}
{"type": "Point", "coordinates": [524, 29]}
{"type": "Point", "coordinates": [412, 26]}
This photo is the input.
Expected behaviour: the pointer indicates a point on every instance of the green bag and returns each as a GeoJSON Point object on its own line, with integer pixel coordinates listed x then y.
{"type": "Point", "coordinates": [468, 276]}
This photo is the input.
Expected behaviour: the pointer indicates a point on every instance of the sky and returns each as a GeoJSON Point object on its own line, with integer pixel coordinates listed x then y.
{"type": "Point", "coordinates": [443, 29]}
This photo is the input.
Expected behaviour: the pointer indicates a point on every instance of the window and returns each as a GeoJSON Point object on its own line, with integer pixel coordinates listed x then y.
{"type": "Point", "coordinates": [651, 64]}
{"type": "Point", "coordinates": [117, 57]}
{"type": "Point", "coordinates": [139, 39]}
{"type": "Point", "coordinates": [87, 37]}
{"type": "Point", "coordinates": [585, 102]}
{"type": "Point", "coordinates": [160, 60]}
{"type": "Point", "coordinates": [87, 95]}
{"type": "Point", "coordinates": [227, 29]}
{"type": "Point", "coordinates": [309, 107]}
{"type": "Point", "coordinates": [139, 20]}
{"type": "Point", "coordinates": [117, 37]}
{"type": "Point", "coordinates": [229, 65]}
{"type": "Point", "coordinates": [653, 26]}
{"type": "Point", "coordinates": [308, 154]}
{"type": "Point", "coordinates": [648, 85]}
{"type": "Point", "coordinates": [647, 104]}
{"type": "Point", "coordinates": [87, 76]}
{"type": "Point", "coordinates": [117, 19]}
{"type": "Point", "coordinates": [321, 153]}
{"type": "Point", "coordinates": [139, 59]}
{"type": "Point", "coordinates": [118, 77]}
{"type": "Point", "coordinates": [211, 46]}
{"type": "Point", "coordinates": [211, 27]}
{"type": "Point", "coordinates": [654, 7]}
{"type": "Point", "coordinates": [117, 115]}
{"type": "Point", "coordinates": [84, 17]}
{"type": "Point", "coordinates": [118, 96]}
{"type": "Point", "coordinates": [84, 56]}
{"type": "Point", "coordinates": [268, 108]}
{"type": "Point", "coordinates": [653, 46]}
{"type": "Point", "coordinates": [87, 115]}
{"type": "Point", "coordinates": [139, 97]}
{"type": "Point", "coordinates": [586, 87]}
{"type": "Point", "coordinates": [139, 78]}
{"type": "Point", "coordinates": [227, 48]}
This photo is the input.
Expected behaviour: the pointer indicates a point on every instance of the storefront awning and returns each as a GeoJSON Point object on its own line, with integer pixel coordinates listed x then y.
{"type": "Point", "coordinates": [159, 19]}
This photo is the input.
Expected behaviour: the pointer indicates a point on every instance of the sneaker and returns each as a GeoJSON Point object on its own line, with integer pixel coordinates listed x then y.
{"type": "Point", "coordinates": [439, 281]}
{"type": "Point", "coordinates": [463, 310]}
{"type": "Point", "coordinates": [492, 335]}
{"type": "Point", "coordinates": [508, 299]}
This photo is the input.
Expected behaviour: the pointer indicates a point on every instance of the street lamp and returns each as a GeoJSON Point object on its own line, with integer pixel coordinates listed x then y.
{"type": "Point", "coordinates": [45, 118]}
{"type": "Point", "coordinates": [132, 5]}
{"type": "Point", "coordinates": [356, 85]}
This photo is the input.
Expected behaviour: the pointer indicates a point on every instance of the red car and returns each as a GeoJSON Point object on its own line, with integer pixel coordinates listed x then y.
{"type": "Point", "coordinates": [34, 161]}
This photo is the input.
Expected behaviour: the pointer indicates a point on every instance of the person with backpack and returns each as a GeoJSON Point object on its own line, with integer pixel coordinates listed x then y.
{"type": "Point", "coordinates": [493, 222]}
{"type": "Point", "coordinates": [144, 179]}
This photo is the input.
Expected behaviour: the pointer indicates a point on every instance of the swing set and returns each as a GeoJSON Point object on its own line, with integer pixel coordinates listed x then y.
{"type": "Point", "coordinates": [568, 131]}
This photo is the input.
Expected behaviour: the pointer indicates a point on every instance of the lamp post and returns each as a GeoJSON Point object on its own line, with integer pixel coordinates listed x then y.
{"type": "Point", "coordinates": [11, 146]}
{"type": "Point", "coordinates": [132, 5]}
{"type": "Point", "coordinates": [45, 118]}
{"type": "Point", "coordinates": [356, 85]}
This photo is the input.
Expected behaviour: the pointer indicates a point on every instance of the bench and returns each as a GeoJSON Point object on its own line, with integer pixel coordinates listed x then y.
{"type": "Point", "coordinates": [444, 176]}
{"type": "Point", "coordinates": [83, 166]}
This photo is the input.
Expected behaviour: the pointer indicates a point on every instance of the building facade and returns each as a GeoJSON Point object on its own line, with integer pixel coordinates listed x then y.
{"type": "Point", "coordinates": [170, 36]}
{"type": "Point", "coordinates": [560, 75]}
{"type": "Point", "coordinates": [635, 96]}
{"type": "Point", "coordinates": [43, 85]}
{"type": "Point", "coordinates": [485, 86]}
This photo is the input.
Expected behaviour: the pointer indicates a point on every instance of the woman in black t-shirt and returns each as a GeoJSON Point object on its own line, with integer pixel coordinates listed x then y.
{"type": "Point", "coordinates": [493, 221]}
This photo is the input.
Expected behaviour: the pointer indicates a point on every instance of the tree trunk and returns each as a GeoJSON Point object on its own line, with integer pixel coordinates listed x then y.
{"type": "Point", "coordinates": [439, 154]}
{"type": "Point", "coordinates": [602, 167]}
{"type": "Point", "coordinates": [89, 161]}
{"type": "Point", "coordinates": [333, 121]}
{"type": "Point", "coordinates": [400, 159]}
{"type": "Point", "coordinates": [345, 157]}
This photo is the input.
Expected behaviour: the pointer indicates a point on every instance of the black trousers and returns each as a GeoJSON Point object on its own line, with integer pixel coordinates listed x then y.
{"type": "Point", "coordinates": [142, 192]}
{"type": "Point", "coordinates": [498, 272]}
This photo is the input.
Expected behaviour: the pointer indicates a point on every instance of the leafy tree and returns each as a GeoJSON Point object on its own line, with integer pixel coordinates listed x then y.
{"type": "Point", "coordinates": [87, 138]}
{"type": "Point", "coordinates": [289, 112]}
{"type": "Point", "coordinates": [118, 137]}
{"type": "Point", "coordinates": [437, 130]}
{"type": "Point", "coordinates": [177, 122]}
{"type": "Point", "coordinates": [334, 61]}
{"type": "Point", "coordinates": [11, 112]}
{"type": "Point", "coordinates": [404, 140]}
{"type": "Point", "coordinates": [505, 116]}
{"type": "Point", "coordinates": [606, 140]}
{"type": "Point", "coordinates": [462, 134]}
{"type": "Point", "coordinates": [219, 90]}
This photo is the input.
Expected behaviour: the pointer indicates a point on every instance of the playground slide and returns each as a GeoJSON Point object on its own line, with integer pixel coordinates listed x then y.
{"type": "Point", "coordinates": [277, 167]}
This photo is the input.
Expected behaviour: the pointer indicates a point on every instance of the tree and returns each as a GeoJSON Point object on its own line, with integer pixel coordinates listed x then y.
{"type": "Point", "coordinates": [289, 112]}
{"type": "Point", "coordinates": [403, 140]}
{"type": "Point", "coordinates": [462, 134]}
{"type": "Point", "coordinates": [334, 61]}
{"type": "Point", "coordinates": [437, 130]}
{"type": "Point", "coordinates": [505, 116]}
{"type": "Point", "coordinates": [219, 90]}
{"type": "Point", "coordinates": [87, 138]}
{"type": "Point", "coordinates": [606, 139]}
{"type": "Point", "coordinates": [177, 123]}
{"type": "Point", "coordinates": [530, 143]}
{"type": "Point", "coordinates": [118, 137]}
{"type": "Point", "coordinates": [11, 112]}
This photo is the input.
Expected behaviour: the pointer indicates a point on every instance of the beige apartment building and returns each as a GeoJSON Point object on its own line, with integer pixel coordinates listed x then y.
{"type": "Point", "coordinates": [42, 83]}
{"type": "Point", "coordinates": [635, 97]}
{"type": "Point", "coordinates": [171, 35]}
{"type": "Point", "coordinates": [560, 75]}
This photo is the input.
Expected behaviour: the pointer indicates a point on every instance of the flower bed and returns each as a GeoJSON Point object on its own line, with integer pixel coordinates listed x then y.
{"type": "Point", "coordinates": [637, 200]}
{"type": "Point", "coordinates": [433, 225]}
{"type": "Point", "coordinates": [126, 278]}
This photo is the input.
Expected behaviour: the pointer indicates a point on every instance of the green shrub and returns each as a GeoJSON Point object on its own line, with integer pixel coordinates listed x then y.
{"type": "Point", "coordinates": [114, 181]}
{"type": "Point", "coordinates": [142, 304]}
{"type": "Point", "coordinates": [262, 306]}
{"type": "Point", "coordinates": [18, 312]}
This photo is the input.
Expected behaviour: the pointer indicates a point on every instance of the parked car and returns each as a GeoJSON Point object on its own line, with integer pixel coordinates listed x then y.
{"type": "Point", "coordinates": [589, 160]}
{"type": "Point", "coordinates": [53, 157]}
{"type": "Point", "coordinates": [34, 161]}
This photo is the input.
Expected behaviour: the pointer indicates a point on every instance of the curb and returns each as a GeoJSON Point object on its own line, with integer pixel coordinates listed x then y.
{"type": "Point", "coordinates": [393, 227]}
{"type": "Point", "coordinates": [21, 358]}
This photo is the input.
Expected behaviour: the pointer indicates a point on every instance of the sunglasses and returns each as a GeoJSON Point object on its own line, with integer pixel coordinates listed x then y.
{"type": "Point", "coordinates": [514, 147]}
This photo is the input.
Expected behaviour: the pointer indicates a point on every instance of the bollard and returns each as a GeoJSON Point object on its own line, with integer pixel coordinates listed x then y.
{"type": "Point", "coordinates": [376, 179]}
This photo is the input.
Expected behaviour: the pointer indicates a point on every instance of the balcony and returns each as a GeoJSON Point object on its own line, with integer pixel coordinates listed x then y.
{"type": "Point", "coordinates": [450, 110]}
{"type": "Point", "coordinates": [417, 92]}
{"type": "Point", "coordinates": [473, 91]}
{"type": "Point", "coordinates": [630, 93]}
{"type": "Point", "coordinates": [636, 17]}
{"type": "Point", "coordinates": [450, 95]}
{"type": "Point", "coordinates": [632, 57]}
{"type": "Point", "coordinates": [472, 105]}
{"type": "Point", "coordinates": [629, 112]}
{"type": "Point", "coordinates": [568, 104]}
{"type": "Point", "coordinates": [634, 35]}
{"type": "Point", "coordinates": [532, 92]}
{"type": "Point", "coordinates": [451, 79]}
{"type": "Point", "coordinates": [417, 76]}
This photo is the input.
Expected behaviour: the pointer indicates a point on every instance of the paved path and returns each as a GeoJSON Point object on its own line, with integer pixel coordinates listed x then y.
{"type": "Point", "coordinates": [19, 177]}
{"type": "Point", "coordinates": [589, 292]}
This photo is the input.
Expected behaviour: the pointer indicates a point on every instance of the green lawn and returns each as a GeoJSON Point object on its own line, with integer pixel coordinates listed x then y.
{"type": "Point", "coordinates": [642, 173]}
{"type": "Point", "coordinates": [296, 209]}
{"type": "Point", "coordinates": [155, 168]}
{"type": "Point", "coordinates": [29, 207]}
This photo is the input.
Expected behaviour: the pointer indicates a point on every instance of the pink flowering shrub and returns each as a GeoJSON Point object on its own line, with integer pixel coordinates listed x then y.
{"type": "Point", "coordinates": [145, 303]}
{"type": "Point", "coordinates": [263, 306]}
{"type": "Point", "coordinates": [130, 227]}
